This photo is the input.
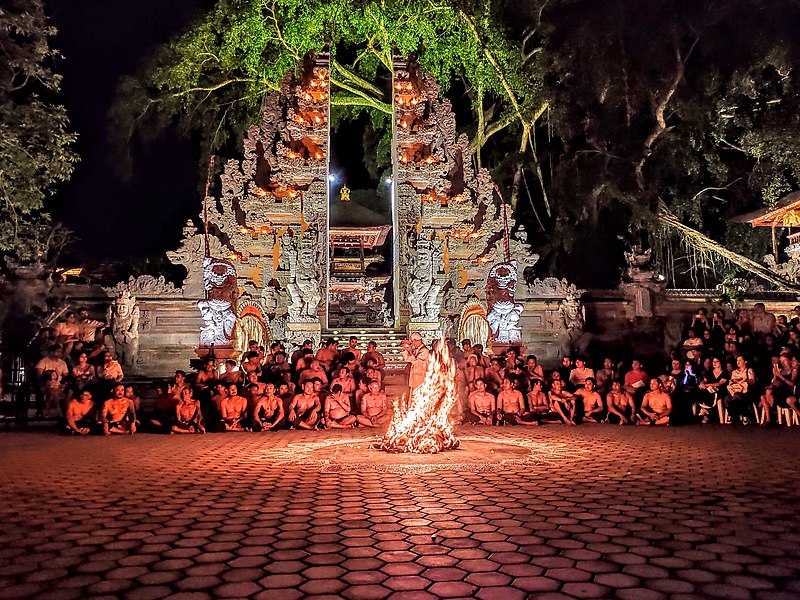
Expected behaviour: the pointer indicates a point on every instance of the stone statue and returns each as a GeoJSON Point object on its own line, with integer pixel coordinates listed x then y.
{"type": "Point", "coordinates": [305, 276]}
{"type": "Point", "coordinates": [504, 310]}
{"type": "Point", "coordinates": [123, 315]}
{"type": "Point", "coordinates": [218, 310]}
{"type": "Point", "coordinates": [423, 289]}
{"type": "Point", "coordinates": [572, 312]}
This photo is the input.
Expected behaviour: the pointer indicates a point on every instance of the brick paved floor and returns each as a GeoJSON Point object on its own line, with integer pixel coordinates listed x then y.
{"type": "Point", "coordinates": [600, 512]}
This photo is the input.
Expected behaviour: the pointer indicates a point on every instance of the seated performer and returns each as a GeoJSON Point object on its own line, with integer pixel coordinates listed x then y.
{"type": "Point", "coordinates": [593, 410]}
{"type": "Point", "coordinates": [268, 412]}
{"type": "Point", "coordinates": [621, 408]}
{"type": "Point", "coordinates": [188, 417]}
{"type": "Point", "coordinates": [511, 406]}
{"type": "Point", "coordinates": [304, 409]}
{"type": "Point", "coordinates": [337, 409]}
{"type": "Point", "coordinates": [254, 390]}
{"type": "Point", "coordinates": [80, 414]}
{"type": "Point", "coordinates": [472, 371]}
{"type": "Point", "coordinates": [314, 369]}
{"type": "Point", "coordinates": [345, 380]}
{"type": "Point", "coordinates": [118, 414]}
{"type": "Point", "coordinates": [233, 410]}
{"type": "Point", "coordinates": [562, 402]}
{"type": "Point", "coordinates": [208, 375]}
{"type": "Point", "coordinates": [374, 406]}
{"type": "Point", "coordinates": [482, 404]}
{"type": "Point", "coordinates": [373, 354]}
{"type": "Point", "coordinates": [231, 374]}
{"type": "Point", "coordinates": [656, 406]}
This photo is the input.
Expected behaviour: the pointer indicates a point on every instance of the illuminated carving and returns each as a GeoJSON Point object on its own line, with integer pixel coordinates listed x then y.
{"type": "Point", "coordinates": [504, 310]}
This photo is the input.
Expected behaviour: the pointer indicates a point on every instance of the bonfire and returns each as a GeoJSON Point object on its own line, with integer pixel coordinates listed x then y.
{"type": "Point", "coordinates": [424, 427]}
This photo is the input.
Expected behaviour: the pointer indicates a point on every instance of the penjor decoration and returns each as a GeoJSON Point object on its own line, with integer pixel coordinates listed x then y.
{"type": "Point", "coordinates": [424, 427]}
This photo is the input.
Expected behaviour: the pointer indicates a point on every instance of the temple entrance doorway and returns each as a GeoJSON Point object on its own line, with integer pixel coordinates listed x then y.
{"type": "Point", "coordinates": [360, 234]}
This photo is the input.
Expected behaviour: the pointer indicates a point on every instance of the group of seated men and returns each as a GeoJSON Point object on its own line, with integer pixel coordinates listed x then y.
{"type": "Point", "coordinates": [741, 371]}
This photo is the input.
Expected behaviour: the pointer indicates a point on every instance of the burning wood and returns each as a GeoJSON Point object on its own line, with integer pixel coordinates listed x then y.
{"type": "Point", "coordinates": [424, 426]}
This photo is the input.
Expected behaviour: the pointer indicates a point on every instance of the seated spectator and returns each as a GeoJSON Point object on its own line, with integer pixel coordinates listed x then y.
{"type": "Point", "coordinates": [713, 384]}
{"type": "Point", "coordinates": [482, 405]}
{"type": "Point", "coordinates": [305, 408]}
{"type": "Point", "coordinates": [110, 370]}
{"type": "Point", "coordinates": [580, 373]}
{"type": "Point", "coordinates": [781, 388]}
{"type": "Point", "coordinates": [740, 390]}
{"type": "Point", "coordinates": [781, 327]}
{"type": "Point", "coordinates": [233, 410]}
{"type": "Point", "coordinates": [565, 369]}
{"type": "Point", "coordinates": [313, 371]}
{"type": "Point", "coordinates": [352, 348]}
{"type": "Point", "coordinates": [268, 413]}
{"type": "Point", "coordinates": [83, 374]}
{"type": "Point", "coordinates": [692, 342]}
{"type": "Point", "coordinates": [337, 409]}
{"type": "Point", "coordinates": [763, 322]}
{"type": "Point", "coordinates": [52, 363]}
{"type": "Point", "coordinates": [621, 408]}
{"type": "Point", "coordinates": [562, 402]}
{"type": "Point", "coordinates": [656, 405]}
{"type": "Point", "coordinates": [133, 397]}
{"type": "Point", "coordinates": [178, 384]}
{"type": "Point", "coordinates": [511, 406]}
{"type": "Point", "coordinates": [373, 354]}
{"type": "Point", "coordinates": [700, 320]}
{"type": "Point", "coordinates": [593, 410]}
{"type": "Point", "coordinates": [118, 414]}
{"type": "Point", "coordinates": [345, 380]}
{"type": "Point", "coordinates": [232, 374]}
{"type": "Point", "coordinates": [53, 392]}
{"type": "Point", "coordinates": [80, 414]}
{"type": "Point", "coordinates": [374, 406]}
{"type": "Point", "coordinates": [533, 370]}
{"type": "Point", "coordinates": [538, 404]}
{"type": "Point", "coordinates": [472, 372]}
{"type": "Point", "coordinates": [743, 323]}
{"type": "Point", "coordinates": [188, 416]}
{"type": "Point", "coordinates": [636, 379]}
{"type": "Point", "coordinates": [207, 375]}
{"type": "Point", "coordinates": [328, 354]}
{"type": "Point", "coordinates": [68, 332]}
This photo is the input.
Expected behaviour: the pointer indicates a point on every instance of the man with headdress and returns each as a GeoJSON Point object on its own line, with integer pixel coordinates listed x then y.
{"type": "Point", "coordinates": [416, 354]}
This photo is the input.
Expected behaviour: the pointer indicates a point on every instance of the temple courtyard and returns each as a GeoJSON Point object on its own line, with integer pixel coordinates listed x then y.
{"type": "Point", "coordinates": [552, 512]}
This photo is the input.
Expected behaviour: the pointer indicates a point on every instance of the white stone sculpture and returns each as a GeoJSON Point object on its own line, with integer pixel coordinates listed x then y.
{"type": "Point", "coordinates": [218, 310]}
{"type": "Point", "coordinates": [305, 276]}
{"type": "Point", "coordinates": [423, 289]}
{"type": "Point", "coordinates": [504, 310]}
{"type": "Point", "coordinates": [123, 315]}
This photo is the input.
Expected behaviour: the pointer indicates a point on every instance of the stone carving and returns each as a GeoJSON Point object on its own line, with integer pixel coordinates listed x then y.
{"type": "Point", "coordinates": [638, 269]}
{"type": "Point", "coordinates": [218, 310]}
{"type": "Point", "coordinates": [789, 269]}
{"type": "Point", "coordinates": [423, 288]}
{"type": "Point", "coordinates": [552, 287]}
{"type": "Point", "coordinates": [123, 315]}
{"type": "Point", "coordinates": [146, 286]}
{"type": "Point", "coordinates": [504, 310]}
{"type": "Point", "coordinates": [304, 261]}
{"type": "Point", "coordinates": [190, 256]}
{"type": "Point", "coordinates": [573, 313]}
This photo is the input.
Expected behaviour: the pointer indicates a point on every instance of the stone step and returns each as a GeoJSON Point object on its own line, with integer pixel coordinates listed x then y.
{"type": "Point", "coordinates": [388, 341]}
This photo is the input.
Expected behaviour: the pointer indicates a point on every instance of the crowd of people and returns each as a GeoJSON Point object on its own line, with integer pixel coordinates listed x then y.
{"type": "Point", "coordinates": [740, 369]}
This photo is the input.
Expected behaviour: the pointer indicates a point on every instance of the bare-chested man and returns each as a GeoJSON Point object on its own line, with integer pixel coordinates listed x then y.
{"type": "Point", "coordinates": [374, 406]}
{"type": "Point", "coordinates": [538, 405]}
{"type": "Point", "coordinates": [656, 406]}
{"type": "Point", "coordinates": [337, 409]}
{"type": "Point", "coordinates": [188, 418]}
{"type": "Point", "coordinates": [511, 406]}
{"type": "Point", "coordinates": [80, 413]}
{"type": "Point", "coordinates": [254, 391]}
{"type": "Point", "coordinates": [233, 410]}
{"type": "Point", "coordinates": [621, 408]}
{"type": "Point", "coordinates": [328, 354]}
{"type": "Point", "coordinates": [373, 354]}
{"type": "Point", "coordinates": [472, 372]}
{"type": "Point", "coordinates": [593, 409]}
{"type": "Point", "coordinates": [562, 402]}
{"type": "Point", "coordinates": [482, 404]}
{"type": "Point", "coordinates": [231, 375]}
{"type": "Point", "coordinates": [118, 414]}
{"type": "Point", "coordinates": [315, 369]}
{"type": "Point", "coordinates": [268, 412]}
{"type": "Point", "coordinates": [352, 348]}
{"type": "Point", "coordinates": [304, 409]}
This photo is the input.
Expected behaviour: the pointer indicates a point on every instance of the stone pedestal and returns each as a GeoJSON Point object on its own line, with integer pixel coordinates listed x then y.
{"type": "Point", "coordinates": [429, 331]}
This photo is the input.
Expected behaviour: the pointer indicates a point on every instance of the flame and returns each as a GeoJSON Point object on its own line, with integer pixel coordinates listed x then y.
{"type": "Point", "coordinates": [424, 427]}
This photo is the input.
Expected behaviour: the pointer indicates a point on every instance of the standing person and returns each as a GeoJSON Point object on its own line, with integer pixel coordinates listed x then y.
{"type": "Point", "coordinates": [416, 354]}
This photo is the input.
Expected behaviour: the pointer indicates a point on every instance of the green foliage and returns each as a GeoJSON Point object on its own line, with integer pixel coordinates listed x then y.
{"type": "Point", "coordinates": [35, 153]}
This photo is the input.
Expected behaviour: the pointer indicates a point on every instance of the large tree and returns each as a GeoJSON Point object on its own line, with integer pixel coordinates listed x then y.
{"type": "Point", "coordinates": [35, 153]}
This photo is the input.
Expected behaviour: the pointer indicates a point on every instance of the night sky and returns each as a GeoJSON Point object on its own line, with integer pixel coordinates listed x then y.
{"type": "Point", "coordinates": [102, 40]}
{"type": "Point", "coordinates": [140, 216]}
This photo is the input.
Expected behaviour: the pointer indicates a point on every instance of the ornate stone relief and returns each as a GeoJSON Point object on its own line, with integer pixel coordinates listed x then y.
{"type": "Point", "coordinates": [146, 286]}
{"type": "Point", "coordinates": [218, 309]}
{"type": "Point", "coordinates": [504, 310]}
{"type": "Point", "coordinates": [123, 315]}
